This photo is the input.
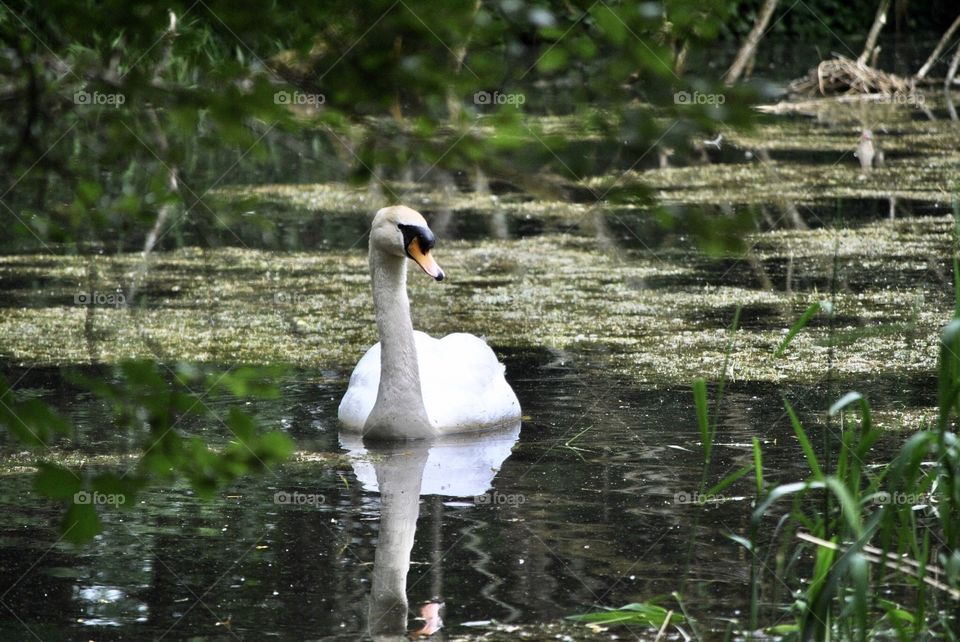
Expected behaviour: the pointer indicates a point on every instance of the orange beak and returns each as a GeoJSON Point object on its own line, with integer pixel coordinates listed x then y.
{"type": "Point", "coordinates": [424, 259]}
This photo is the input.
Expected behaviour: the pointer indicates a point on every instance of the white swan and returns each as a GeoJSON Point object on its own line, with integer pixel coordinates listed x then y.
{"type": "Point", "coordinates": [410, 385]}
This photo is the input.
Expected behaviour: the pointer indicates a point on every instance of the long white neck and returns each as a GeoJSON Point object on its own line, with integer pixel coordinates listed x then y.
{"type": "Point", "coordinates": [398, 412]}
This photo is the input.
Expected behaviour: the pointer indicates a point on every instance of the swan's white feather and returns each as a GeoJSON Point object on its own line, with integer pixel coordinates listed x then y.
{"type": "Point", "coordinates": [461, 380]}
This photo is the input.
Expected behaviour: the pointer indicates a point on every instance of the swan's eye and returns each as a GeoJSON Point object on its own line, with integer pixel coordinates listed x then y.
{"type": "Point", "coordinates": [418, 232]}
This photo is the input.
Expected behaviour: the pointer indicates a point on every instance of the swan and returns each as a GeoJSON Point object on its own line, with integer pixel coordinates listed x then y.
{"type": "Point", "coordinates": [410, 385]}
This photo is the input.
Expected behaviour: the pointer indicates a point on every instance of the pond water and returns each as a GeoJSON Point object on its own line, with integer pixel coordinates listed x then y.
{"type": "Point", "coordinates": [593, 506]}
{"type": "Point", "coordinates": [603, 319]}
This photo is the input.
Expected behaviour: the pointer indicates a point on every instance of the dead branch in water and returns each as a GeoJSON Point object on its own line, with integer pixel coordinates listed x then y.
{"type": "Point", "coordinates": [938, 50]}
{"type": "Point", "coordinates": [843, 78]}
{"type": "Point", "coordinates": [842, 75]}
{"type": "Point", "coordinates": [814, 105]}
{"type": "Point", "coordinates": [870, 48]}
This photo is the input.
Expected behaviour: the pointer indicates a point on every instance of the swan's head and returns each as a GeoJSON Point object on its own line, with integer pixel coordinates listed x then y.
{"type": "Point", "coordinates": [401, 231]}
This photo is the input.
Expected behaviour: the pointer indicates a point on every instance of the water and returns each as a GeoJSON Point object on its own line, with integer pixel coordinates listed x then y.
{"type": "Point", "coordinates": [593, 506]}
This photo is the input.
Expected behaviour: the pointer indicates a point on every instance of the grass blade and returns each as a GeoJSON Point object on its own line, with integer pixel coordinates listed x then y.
{"type": "Point", "coordinates": [804, 442]}
{"type": "Point", "coordinates": [804, 319]}
{"type": "Point", "coordinates": [703, 419]}
{"type": "Point", "coordinates": [758, 465]}
{"type": "Point", "coordinates": [728, 480]}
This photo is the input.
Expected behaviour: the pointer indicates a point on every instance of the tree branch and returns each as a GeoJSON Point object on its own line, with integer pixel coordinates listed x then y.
{"type": "Point", "coordinates": [935, 56]}
{"type": "Point", "coordinates": [878, 22]}
{"type": "Point", "coordinates": [750, 43]}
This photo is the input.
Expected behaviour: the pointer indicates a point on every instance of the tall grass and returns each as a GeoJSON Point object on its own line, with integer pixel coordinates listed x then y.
{"type": "Point", "coordinates": [893, 526]}
{"type": "Point", "coordinates": [867, 550]}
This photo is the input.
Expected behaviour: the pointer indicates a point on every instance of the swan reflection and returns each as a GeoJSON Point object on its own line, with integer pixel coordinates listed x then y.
{"type": "Point", "coordinates": [461, 465]}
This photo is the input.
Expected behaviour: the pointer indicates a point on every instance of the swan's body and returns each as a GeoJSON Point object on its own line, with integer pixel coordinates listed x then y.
{"type": "Point", "coordinates": [411, 385]}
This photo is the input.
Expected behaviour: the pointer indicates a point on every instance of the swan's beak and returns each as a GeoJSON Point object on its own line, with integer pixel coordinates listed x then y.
{"type": "Point", "coordinates": [418, 241]}
{"type": "Point", "coordinates": [424, 259]}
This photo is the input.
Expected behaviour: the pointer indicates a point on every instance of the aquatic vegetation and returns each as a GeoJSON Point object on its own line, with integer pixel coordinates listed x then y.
{"type": "Point", "coordinates": [647, 316]}
{"type": "Point", "coordinates": [149, 402]}
{"type": "Point", "coordinates": [856, 528]}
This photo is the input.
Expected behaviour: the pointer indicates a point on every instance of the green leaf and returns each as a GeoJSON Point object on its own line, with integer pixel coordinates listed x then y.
{"type": "Point", "coordinates": [122, 489]}
{"type": "Point", "coordinates": [89, 191]}
{"type": "Point", "coordinates": [728, 480]}
{"type": "Point", "coordinates": [845, 401]}
{"type": "Point", "coordinates": [56, 482]}
{"type": "Point", "coordinates": [742, 541]}
{"type": "Point", "coordinates": [635, 613]}
{"type": "Point", "coordinates": [554, 59]}
{"type": "Point", "coordinates": [142, 373]}
{"type": "Point", "coordinates": [897, 615]}
{"type": "Point", "coordinates": [81, 523]}
{"type": "Point", "coordinates": [275, 446]}
{"type": "Point", "coordinates": [703, 419]}
{"type": "Point", "coordinates": [860, 573]}
{"type": "Point", "coordinates": [948, 384]}
{"type": "Point", "coordinates": [32, 421]}
{"type": "Point", "coordinates": [758, 465]}
{"type": "Point", "coordinates": [849, 506]}
{"type": "Point", "coordinates": [241, 424]}
{"type": "Point", "coordinates": [780, 491]}
{"type": "Point", "coordinates": [610, 24]}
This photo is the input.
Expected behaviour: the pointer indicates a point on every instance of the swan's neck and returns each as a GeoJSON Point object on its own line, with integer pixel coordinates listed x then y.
{"type": "Point", "coordinates": [398, 411]}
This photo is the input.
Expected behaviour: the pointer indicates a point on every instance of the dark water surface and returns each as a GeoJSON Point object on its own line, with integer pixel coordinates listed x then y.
{"type": "Point", "coordinates": [594, 506]}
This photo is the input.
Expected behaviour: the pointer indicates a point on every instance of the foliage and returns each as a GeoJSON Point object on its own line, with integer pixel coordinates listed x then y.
{"type": "Point", "coordinates": [149, 403]}
{"type": "Point", "coordinates": [643, 613]}
{"type": "Point", "coordinates": [120, 115]}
